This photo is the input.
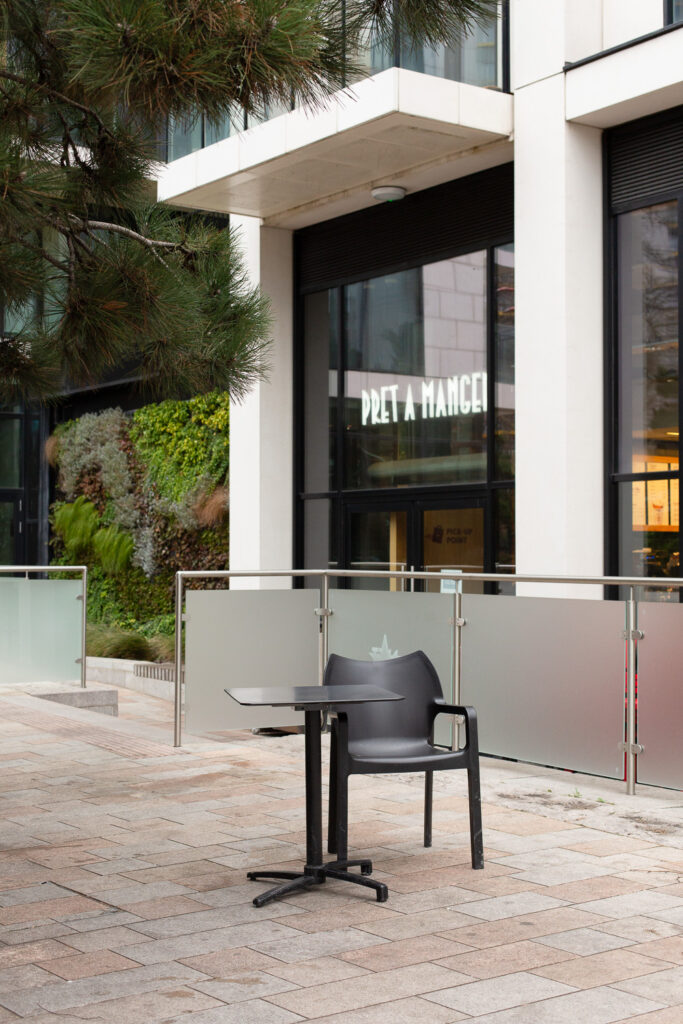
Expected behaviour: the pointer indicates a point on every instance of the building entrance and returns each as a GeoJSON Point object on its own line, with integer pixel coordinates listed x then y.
{"type": "Point", "coordinates": [415, 535]}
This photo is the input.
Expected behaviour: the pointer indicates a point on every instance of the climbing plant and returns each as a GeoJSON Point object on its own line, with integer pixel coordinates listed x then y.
{"type": "Point", "coordinates": [138, 498]}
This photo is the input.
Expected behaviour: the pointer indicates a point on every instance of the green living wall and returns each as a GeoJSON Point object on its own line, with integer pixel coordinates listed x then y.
{"type": "Point", "coordinates": [140, 497]}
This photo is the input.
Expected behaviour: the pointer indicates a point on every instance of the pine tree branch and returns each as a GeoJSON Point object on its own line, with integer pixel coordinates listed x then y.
{"type": "Point", "coordinates": [37, 249]}
{"type": "Point", "coordinates": [120, 229]}
{"type": "Point", "coordinates": [45, 87]}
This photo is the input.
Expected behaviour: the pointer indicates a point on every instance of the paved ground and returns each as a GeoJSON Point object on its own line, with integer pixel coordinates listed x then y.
{"type": "Point", "coordinates": [123, 896]}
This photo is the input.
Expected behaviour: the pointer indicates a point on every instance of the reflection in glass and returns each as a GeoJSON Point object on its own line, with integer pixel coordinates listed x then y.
{"type": "Point", "coordinates": [504, 519]}
{"type": "Point", "coordinates": [319, 538]}
{"type": "Point", "coordinates": [10, 452]}
{"type": "Point", "coordinates": [648, 339]}
{"type": "Point", "coordinates": [649, 532]}
{"type": "Point", "coordinates": [504, 285]}
{"type": "Point", "coordinates": [677, 11]}
{"type": "Point", "coordinates": [378, 541]}
{"type": "Point", "coordinates": [184, 137]}
{"type": "Point", "coordinates": [453, 538]}
{"type": "Point", "coordinates": [217, 131]}
{"type": "Point", "coordinates": [321, 319]}
{"type": "Point", "coordinates": [7, 533]}
{"type": "Point", "coordinates": [475, 61]}
{"type": "Point", "coordinates": [415, 381]}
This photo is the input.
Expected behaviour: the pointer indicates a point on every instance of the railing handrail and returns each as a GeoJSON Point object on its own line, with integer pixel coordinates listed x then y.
{"type": "Point", "coordinates": [462, 577]}
{"type": "Point", "coordinates": [43, 568]}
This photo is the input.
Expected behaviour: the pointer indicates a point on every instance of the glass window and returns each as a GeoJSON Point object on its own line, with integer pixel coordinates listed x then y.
{"type": "Point", "coordinates": [677, 10]}
{"type": "Point", "coordinates": [474, 61]}
{"type": "Point", "coordinates": [217, 131]}
{"type": "Point", "coordinates": [377, 542]}
{"type": "Point", "coordinates": [649, 543]}
{"type": "Point", "coordinates": [504, 327]}
{"type": "Point", "coordinates": [319, 534]}
{"type": "Point", "coordinates": [10, 452]}
{"type": "Point", "coordinates": [184, 137]}
{"type": "Point", "coordinates": [321, 329]}
{"type": "Point", "coordinates": [416, 382]}
{"type": "Point", "coordinates": [648, 339]}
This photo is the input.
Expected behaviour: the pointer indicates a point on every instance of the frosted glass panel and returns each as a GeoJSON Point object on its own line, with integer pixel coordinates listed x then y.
{"type": "Point", "coordinates": [660, 694]}
{"type": "Point", "coordinates": [374, 626]}
{"type": "Point", "coordinates": [40, 630]}
{"type": "Point", "coordinates": [547, 678]}
{"type": "Point", "coordinates": [247, 638]}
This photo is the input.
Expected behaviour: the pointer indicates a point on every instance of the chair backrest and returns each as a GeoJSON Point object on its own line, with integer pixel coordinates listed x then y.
{"type": "Point", "coordinates": [412, 675]}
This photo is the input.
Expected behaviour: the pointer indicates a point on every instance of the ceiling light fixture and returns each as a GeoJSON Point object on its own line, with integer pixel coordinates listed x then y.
{"type": "Point", "coordinates": [388, 193]}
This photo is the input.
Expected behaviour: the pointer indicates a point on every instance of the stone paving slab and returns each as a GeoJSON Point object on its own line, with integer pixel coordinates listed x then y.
{"type": "Point", "coordinates": [123, 896]}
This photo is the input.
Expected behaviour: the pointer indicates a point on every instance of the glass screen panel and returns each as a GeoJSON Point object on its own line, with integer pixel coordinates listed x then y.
{"type": "Point", "coordinates": [247, 638]}
{"type": "Point", "coordinates": [415, 381]}
{"type": "Point", "coordinates": [538, 697]}
{"type": "Point", "coordinates": [648, 339]}
{"type": "Point", "coordinates": [660, 694]}
{"type": "Point", "coordinates": [40, 630]}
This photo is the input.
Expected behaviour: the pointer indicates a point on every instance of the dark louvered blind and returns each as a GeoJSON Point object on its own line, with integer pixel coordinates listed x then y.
{"type": "Point", "coordinates": [437, 223]}
{"type": "Point", "coordinates": [645, 159]}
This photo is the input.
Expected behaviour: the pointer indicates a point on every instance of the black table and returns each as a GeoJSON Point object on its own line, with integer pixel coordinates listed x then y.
{"type": "Point", "coordinates": [313, 700]}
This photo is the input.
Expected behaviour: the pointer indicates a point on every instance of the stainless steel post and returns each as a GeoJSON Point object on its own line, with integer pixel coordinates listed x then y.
{"type": "Point", "coordinates": [84, 624]}
{"type": "Point", "coordinates": [324, 604]}
{"type": "Point", "coordinates": [457, 645]}
{"type": "Point", "coordinates": [177, 711]}
{"type": "Point", "coordinates": [631, 693]}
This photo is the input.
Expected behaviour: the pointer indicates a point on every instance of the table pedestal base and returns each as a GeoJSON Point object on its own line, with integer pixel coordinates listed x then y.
{"type": "Point", "coordinates": [316, 876]}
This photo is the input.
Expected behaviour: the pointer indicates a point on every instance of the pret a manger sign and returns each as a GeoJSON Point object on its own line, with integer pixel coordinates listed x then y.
{"type": "Point", "coordinates": [460, 395]}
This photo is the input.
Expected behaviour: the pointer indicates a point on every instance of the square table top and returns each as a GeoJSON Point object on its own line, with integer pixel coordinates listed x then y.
{"type": "Point", "coordinates": [309, 696]}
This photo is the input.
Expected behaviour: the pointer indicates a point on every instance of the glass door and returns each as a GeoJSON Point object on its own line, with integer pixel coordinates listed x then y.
{"type": "Point", "coordinates": [377, 538]}
{"type": "Point", "coordinates": [416, 535]}
{"type": "Point", "coordinates": [453, 538]}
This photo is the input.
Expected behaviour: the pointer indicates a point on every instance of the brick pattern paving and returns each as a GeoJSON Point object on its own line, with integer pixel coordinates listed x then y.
{"type": "Point", "coordinates": [123, 896]}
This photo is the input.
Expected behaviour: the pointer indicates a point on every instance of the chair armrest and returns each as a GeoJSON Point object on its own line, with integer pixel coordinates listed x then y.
{"type": "Point", "coordinates": [470, 716]}
{"type": "Point", "coordinates": [454, 709]}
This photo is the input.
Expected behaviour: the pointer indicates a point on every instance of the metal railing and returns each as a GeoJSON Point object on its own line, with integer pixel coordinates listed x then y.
{"type": "Point", "coordinates": [631, 633]}
{"type": "Point", "coordinates": [29, 570]}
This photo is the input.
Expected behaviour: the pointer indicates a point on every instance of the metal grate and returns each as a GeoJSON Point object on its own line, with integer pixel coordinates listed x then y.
{"type": "Point", "coordinates": [645, 159]}
{"type": "Point", "coordinates": [154, 670]}
{"type": "Point", "coordinates": [435, 224]}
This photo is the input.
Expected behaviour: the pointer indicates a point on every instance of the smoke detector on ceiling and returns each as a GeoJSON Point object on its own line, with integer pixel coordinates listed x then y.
{"type": "Point", "coordinates": [388, 193]}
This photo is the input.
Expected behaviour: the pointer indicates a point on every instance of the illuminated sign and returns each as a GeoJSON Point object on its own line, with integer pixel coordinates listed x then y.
{"type": "Point", "coordinates": [461, 395]}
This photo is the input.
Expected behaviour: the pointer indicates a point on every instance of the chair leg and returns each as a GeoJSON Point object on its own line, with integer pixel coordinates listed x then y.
{"type": "Point", "coordinates": [476, 837]}
{"type": "Point", "coordinates": [429, 791]}
{"type": "Point", "coordinates": [342, 818]}
{"type": "Point", "coordinates": [332, 796]}
{"type": "Point", "coordinates": [342, 790]}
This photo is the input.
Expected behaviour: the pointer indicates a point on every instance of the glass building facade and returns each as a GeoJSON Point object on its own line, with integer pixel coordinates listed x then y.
{"type": "Point", "coordinates": [480, 59]}
{"type": "Point", "coordinates": [644, 365]}
{"type": "Point", "coordinates": [407, 409]}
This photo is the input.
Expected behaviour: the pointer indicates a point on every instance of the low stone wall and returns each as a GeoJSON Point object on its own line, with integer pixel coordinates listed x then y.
{"type": "Point", "coordinates": [120, 672]}
{"type": "Point", "coordinates": [105, 702]}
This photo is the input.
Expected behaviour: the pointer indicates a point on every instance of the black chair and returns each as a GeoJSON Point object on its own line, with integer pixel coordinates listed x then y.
{"type": "Point", "coordinates": [370, 739]}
